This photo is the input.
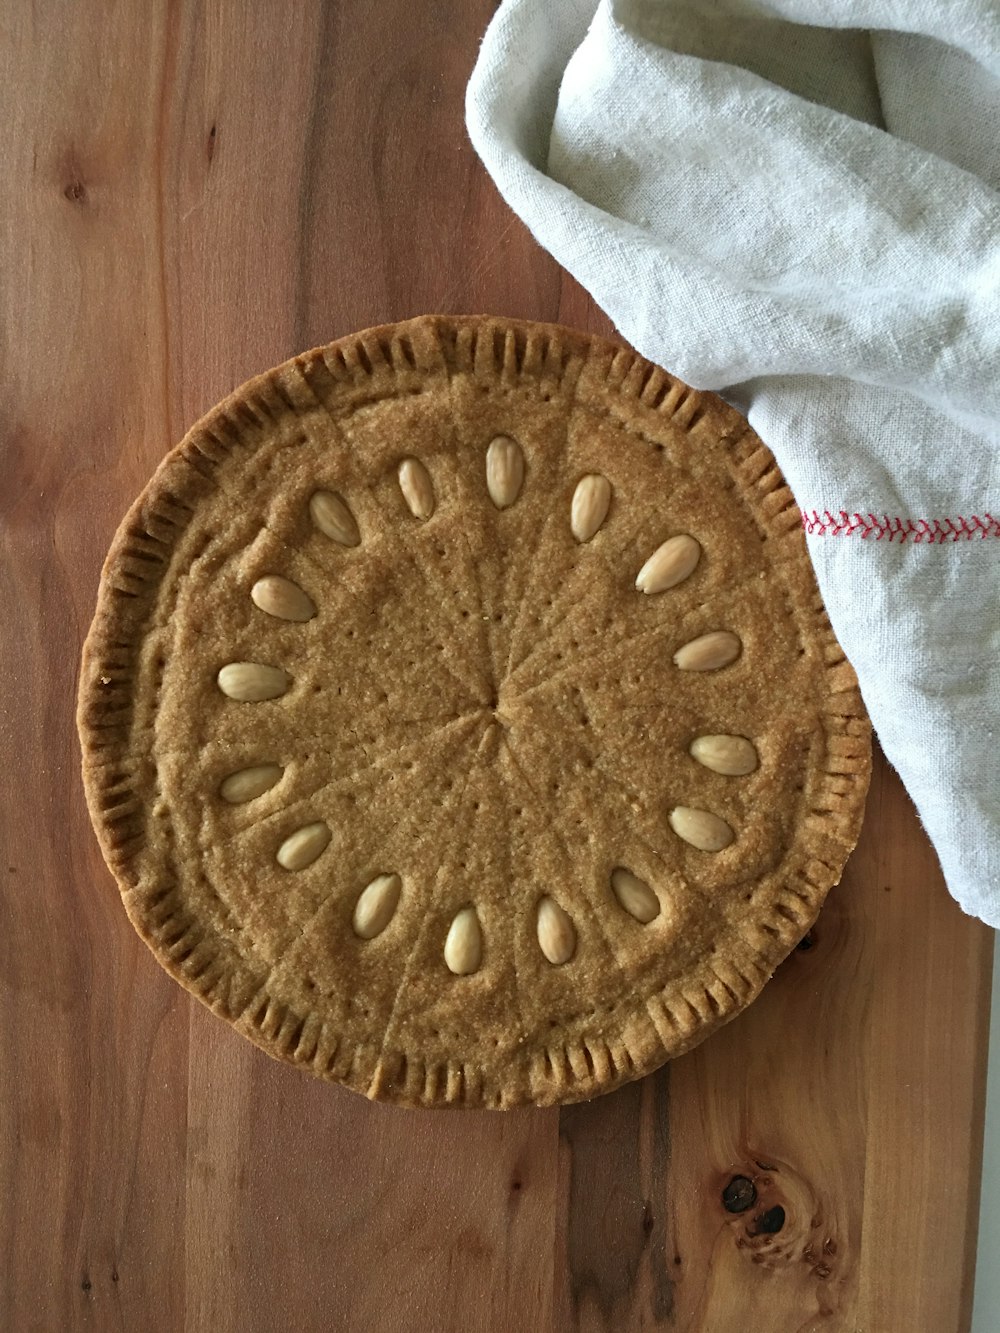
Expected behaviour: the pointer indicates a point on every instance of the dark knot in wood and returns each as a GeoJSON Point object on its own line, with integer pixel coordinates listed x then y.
{"type": "Point", "coordinates": [769, 1222]}
{"type": "Point", "coordinates": [739, 1195]}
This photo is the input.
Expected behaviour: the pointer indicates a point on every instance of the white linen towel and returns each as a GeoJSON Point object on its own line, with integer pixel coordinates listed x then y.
{"type": "Point", "coordinates": [795, 203]}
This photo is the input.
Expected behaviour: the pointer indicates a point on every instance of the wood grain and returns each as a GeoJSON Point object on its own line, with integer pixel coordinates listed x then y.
{"type": "Point", "coordinates": [193, 193]}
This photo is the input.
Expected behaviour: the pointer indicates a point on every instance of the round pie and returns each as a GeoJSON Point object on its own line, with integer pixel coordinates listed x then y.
{"type": "Point", "coordinates": [460, 718]}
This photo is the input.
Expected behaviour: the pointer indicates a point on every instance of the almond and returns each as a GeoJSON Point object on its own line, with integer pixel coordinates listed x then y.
{"type": "Point", "coordinates": [635, 895]}
{"type": "Point", "coordinates": [556, 932]}
{"type": "Point", "coordinates": [504, 471]}
{"type": "Point", "coordinates": [248, 783]}
{"type": "Point", "coordinates": [463, 949]}
{"type": "Point", "coordinates": [331, 515]}
{"type": "Point", "coordinates": [709, 652]}
{"type": "Point", "coordinates": [670, 564]}
{"type": "Point", "coordinates": [417, 487]}
{"type": "Point", "coordinates": [282, 598]}
{"type": "Point", "coordinates": [701, 828]}
{"type": "Point", "coordinates": [733, 755]}
{"type": "Point", "coordinates": [301, 848]}
{"type": "Point", "coordinates": [252, 682]}
{"type": "Point", "coordinates": [376, 906]}
{"type": "Point", "coordinates": [591, 501]}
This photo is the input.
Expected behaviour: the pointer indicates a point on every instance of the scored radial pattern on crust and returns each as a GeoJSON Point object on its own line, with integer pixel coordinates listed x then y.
{"type": "Point", "coordinates": [460, 718]}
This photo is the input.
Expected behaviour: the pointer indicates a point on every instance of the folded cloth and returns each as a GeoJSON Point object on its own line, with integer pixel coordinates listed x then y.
{"type": "Point", "coordinates": [795, 203]}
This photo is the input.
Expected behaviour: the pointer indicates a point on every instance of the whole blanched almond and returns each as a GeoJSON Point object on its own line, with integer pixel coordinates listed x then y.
{"type": "Point", "coordinates": [282, 598]}
{"type": "Point", "coordinates": [556, 932]}
{"type": "Point", "coordinates": [248, 783]}
{"type": "Point", "coordinates": [733, 755]}
{"type": "Point", "coordinates": [377, 906]}
{"type": "Point", "coordinates": [417, 487]}
{"type": "Point", "coordinates": [670, 564]}
{"type": "Point", "coordinates": [701, 828]}
{"type": "Point", "coordinates": [463, 949]}
{"type": "Point", "coordinates": [504, 471]}
{"type": "Point", "coordinates": [252, 682]}
{"type": "Point", "coordinates": [591, 501]}
{"type": "Point", "coordinates": [334, 519]}
{"type": "Point", "coordinates": [709, 652]}
{"type": "Point", "coordinates": [301, 848]}
{"type": "Point", "coordinates": [635, 895]}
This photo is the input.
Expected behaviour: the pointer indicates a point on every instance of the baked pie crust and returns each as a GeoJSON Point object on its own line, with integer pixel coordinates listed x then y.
{"type": "Point", "coordinates": [460, 718]}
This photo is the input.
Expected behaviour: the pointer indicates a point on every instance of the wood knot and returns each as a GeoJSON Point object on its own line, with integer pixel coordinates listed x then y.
{"type": "Point", "coordinates": [739, 1195]}
{"type": "Point", "coordinates": [769, 1222]}
{"type": "Point", "coordinates": [75, 192]}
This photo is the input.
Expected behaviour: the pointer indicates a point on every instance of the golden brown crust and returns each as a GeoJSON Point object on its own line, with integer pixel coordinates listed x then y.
{"type": "Point", "coordinates": [229, 503]}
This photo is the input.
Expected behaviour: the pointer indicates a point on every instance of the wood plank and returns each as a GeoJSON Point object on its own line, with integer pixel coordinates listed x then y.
{"type": "Point", "coordinates": [194, 193]}
{"type": "Point", "coordinates": [926, 1083]}
{"type": "Point", "coordinates": [92, 1143]}
{"type": "Point", "coordinates": [309, 1208]}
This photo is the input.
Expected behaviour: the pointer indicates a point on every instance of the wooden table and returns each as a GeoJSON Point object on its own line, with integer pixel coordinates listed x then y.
{"type": "Point", "coordinates": [193, 192]}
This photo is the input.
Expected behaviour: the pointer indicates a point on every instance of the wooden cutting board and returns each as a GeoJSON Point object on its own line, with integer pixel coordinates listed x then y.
{"type": "Point", "coordinates": [193, 192]}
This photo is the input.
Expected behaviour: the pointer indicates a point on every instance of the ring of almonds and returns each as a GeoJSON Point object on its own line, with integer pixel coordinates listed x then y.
{"type": "Point", "coordinates": [460, 718]}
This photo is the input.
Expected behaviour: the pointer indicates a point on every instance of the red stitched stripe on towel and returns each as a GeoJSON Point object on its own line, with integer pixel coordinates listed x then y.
{"type": "Point", "coordinates": [881, 527]}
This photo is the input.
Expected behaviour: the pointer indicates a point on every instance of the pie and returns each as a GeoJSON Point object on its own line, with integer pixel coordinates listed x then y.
{"type": "Point", "coordinates": [460, 717]}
